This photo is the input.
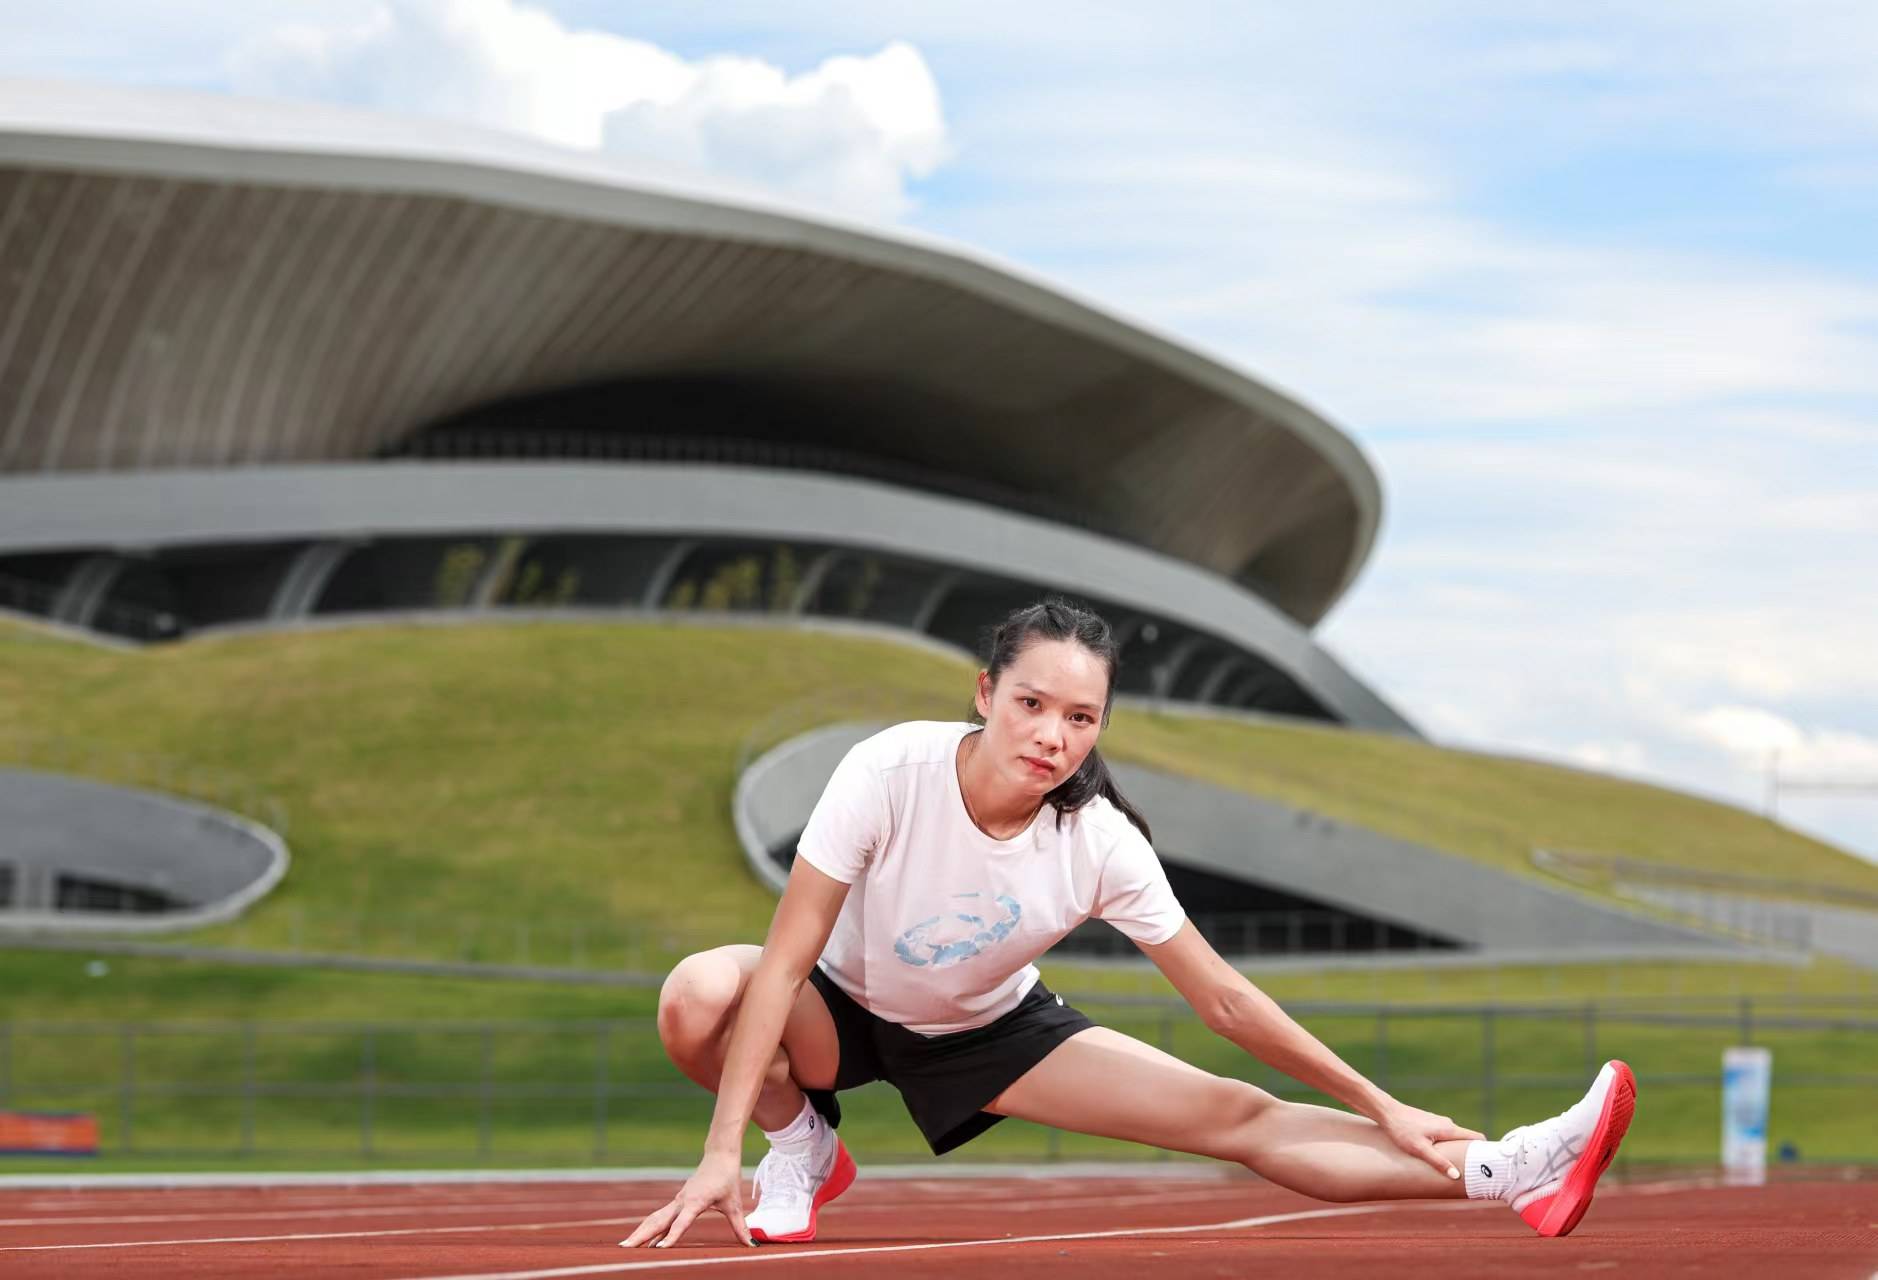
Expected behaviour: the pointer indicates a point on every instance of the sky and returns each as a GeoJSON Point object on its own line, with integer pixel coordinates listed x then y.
{"type": "Point", "coordinates": [1592, 285]}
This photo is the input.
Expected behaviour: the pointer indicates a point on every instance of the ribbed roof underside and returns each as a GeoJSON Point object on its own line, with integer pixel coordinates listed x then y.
{"type": "Point", "coordinates": [158, 321]}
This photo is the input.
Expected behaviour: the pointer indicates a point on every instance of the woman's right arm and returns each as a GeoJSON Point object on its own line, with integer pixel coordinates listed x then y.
{"type": "Point", "coordinates": [797, 933]}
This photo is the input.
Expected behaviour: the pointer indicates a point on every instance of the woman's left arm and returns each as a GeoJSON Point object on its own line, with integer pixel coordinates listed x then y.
{"type": "Point", "coordinates": [1232, 1007]}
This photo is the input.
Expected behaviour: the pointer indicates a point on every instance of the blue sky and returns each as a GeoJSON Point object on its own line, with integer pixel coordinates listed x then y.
{"type": "Point", "coordinates": [1594, 288]}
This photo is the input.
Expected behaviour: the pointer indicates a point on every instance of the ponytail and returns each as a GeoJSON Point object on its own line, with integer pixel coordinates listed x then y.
{"type": "Point", "coordinates": [1091, 780]}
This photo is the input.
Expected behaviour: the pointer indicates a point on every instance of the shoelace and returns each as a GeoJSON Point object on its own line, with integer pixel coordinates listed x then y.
{"type": "Point", "coordinates": [785, 1174]}
{"type": "Point", "coordinates": [1518, 1145]}
{"type": "Point", "coordinates": [1522, 1143]}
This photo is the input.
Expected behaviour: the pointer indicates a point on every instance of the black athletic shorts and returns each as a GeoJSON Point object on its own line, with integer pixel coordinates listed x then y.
{"type": "Point", "coordinates": [944, 1080]}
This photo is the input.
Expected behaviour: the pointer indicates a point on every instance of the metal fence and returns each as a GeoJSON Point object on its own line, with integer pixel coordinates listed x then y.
{"type": "Point", "coordinates": [1291, 931]}
{"type": "Point", "coordinates": [602, 1091]}
{"type": "Point", "coordinates": [1610, 872]}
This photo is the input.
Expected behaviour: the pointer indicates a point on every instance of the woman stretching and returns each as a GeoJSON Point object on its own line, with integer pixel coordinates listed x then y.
{"type": "Point", "coordinates": [941, 860]}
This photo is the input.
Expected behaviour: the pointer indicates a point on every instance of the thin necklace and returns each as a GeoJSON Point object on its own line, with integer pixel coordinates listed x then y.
{"type": "Point", "coordinates": [971, 749]}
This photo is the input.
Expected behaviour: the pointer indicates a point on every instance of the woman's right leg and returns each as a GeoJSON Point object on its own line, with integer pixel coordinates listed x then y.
{"type": "Point", "coordinates": [698, 1007]}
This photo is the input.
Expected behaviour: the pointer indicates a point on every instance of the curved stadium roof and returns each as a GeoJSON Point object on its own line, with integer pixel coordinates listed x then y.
{"type": "Point", "coordinates": [205, 281]}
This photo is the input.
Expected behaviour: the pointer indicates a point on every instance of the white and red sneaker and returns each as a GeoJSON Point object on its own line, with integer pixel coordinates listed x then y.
{"type": "Point", "coordinates": [790, 1187]}
{"type": "Point", "coordinates": [1547, 1170]}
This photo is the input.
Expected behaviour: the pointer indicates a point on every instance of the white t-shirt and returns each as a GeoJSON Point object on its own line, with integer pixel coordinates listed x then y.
{"type": "Point", "coordinates": [942, 923]}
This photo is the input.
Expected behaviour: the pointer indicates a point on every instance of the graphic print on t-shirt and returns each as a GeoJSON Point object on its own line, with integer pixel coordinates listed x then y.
{"type": "Point", "coordinates": [956, 935]}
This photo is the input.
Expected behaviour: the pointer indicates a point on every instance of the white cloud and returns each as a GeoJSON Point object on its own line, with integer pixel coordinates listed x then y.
{"type": "Point", "coordinates": [1747, 731]}
{"type": "Point", "coordinates": [1457, 320]}
{"type": "Point", "coordinates": [1766, 737]}
{"type": "Point", "coordinates": [851, 133]}
{"type": "Point", "coordinates": [1612, 757]}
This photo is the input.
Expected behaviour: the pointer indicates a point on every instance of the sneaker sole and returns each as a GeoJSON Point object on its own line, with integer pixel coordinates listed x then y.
{"type": "Point", "coordinates": [1558, 1213]}
{"type": "Point", "coordinates": [840, 1178]}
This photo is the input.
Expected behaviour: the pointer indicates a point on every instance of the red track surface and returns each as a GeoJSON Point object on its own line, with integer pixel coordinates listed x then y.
{"type": "Point", "coordinates": [929, 1228]}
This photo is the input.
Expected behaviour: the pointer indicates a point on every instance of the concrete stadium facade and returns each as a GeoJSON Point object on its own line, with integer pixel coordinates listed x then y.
{"type": "Point", "coordinates": [262, 362]}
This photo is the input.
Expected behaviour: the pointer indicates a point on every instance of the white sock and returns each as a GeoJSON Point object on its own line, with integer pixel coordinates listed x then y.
{"type": "Point", "coordinates": [799, 1133]}
{"type": "Point", "coordinates": [1489, 1172]}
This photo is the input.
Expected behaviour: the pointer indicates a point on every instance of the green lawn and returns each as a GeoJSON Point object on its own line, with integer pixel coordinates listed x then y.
{"type": "Point", "coordinates": [561, 786]}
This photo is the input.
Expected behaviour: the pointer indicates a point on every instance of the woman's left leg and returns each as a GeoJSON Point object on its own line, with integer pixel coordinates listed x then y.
{"type": "Point", "coordinates": [1102, 1082]}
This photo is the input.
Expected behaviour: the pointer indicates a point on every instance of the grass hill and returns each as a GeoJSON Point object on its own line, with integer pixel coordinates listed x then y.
{"type": "Point", "coordinates": [575, 776]}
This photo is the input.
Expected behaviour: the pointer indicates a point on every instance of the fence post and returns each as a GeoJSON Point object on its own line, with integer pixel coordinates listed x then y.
{"type": "Point", "coordinates": [368, 1087]}
{"type": "Point", "coordinates": [1591, 1038]}
{"type": "Point", "coordinates": [1165, 1039]}
{"type": "Point", "coordinates": [247, 1088]}
{"type": "Point", "coordinates": [1382, 1046]}
{"type": "Point", "coordinates": [602, 1048]}
{"type": "Point", "coordinates": [1486, 1065]}
{"type": "Point", "coordinates": [485, 1086]}
{"type": "Point", "coordinates": [127, 1083]}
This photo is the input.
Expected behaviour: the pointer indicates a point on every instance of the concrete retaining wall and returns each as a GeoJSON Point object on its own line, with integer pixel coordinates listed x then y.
{"type": "Point", "coordinates": [1235, 834]}
{"type": "Point", "coordinates": [216, 862]}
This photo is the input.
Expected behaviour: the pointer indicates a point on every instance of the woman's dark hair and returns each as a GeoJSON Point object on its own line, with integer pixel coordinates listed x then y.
{"type": "Point", "coordinates": [1054, 618]}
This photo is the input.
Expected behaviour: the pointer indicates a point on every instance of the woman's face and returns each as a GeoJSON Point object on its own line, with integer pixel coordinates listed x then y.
{"type": "Point", "coordinates": [1046, 710]}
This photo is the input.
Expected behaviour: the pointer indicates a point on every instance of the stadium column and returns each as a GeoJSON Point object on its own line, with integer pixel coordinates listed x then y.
{"type": "Point", "coordinates": [812, 580]}
{"type": "Point", "coordinates": [84, 591]}
{"type": "Point", "coordinates": [1168, 672]}
{"type": "Point", "coordinates": [498, 571]}
{"type": "Point", "coordinates": [661, 579]}
{"type": "Point", "coordinates": [935, 596]}
{"type": "Point", "coordinates": [306, 577]}
{"type": "Point", "coordinates": [1209, 685]}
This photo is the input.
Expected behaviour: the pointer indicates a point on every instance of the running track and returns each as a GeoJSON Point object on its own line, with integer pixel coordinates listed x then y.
{"type": "Point", "coordinates": [1093, 1228]}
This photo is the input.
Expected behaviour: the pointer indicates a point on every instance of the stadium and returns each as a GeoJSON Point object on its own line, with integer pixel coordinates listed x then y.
{"type": "Point", "coordinates": [224, 336]}
{"type": "Point", "coordinates": [427, 556]}
{"type": "Point", "coordinates": [320, 365]}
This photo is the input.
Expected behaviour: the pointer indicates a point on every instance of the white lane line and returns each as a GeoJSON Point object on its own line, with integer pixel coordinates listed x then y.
{"type": "Point", "coordinates": [796, 1255]}
{"type": "Point", "coordinates": [897, 1205]}
{"type": "Point", "coordinates": [294, 1211]}
{"type": "Point", "coordinates": [613, 1203]}
{"type": "Point", "coordinates": [766, 1256]}
{"type": "Point", "coordinates": [324, 1235]}
{"type": "Point", "coordinates": [1664, 1188]}
{"type": "Point", "coordinates": [1237, 1224]}
{"type": "Point", "coordinates": [107, 1202]}
{"type": "Point", "coordinates": [965, 1170]}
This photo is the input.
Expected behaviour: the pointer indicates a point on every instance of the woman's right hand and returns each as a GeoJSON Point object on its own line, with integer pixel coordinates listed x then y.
{"type": "Point", "coordinates": [718, 1184]}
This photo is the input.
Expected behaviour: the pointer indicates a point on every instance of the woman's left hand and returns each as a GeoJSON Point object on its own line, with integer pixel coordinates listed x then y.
{"type": "Point", "coordinates": [1416, 1132]}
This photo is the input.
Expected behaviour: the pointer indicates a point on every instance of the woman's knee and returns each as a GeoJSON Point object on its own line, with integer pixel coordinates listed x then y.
{"type": "Point", "coordinates": [696, 1000]}
{"type": "Point", "coordinates": [1249, 1116]}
